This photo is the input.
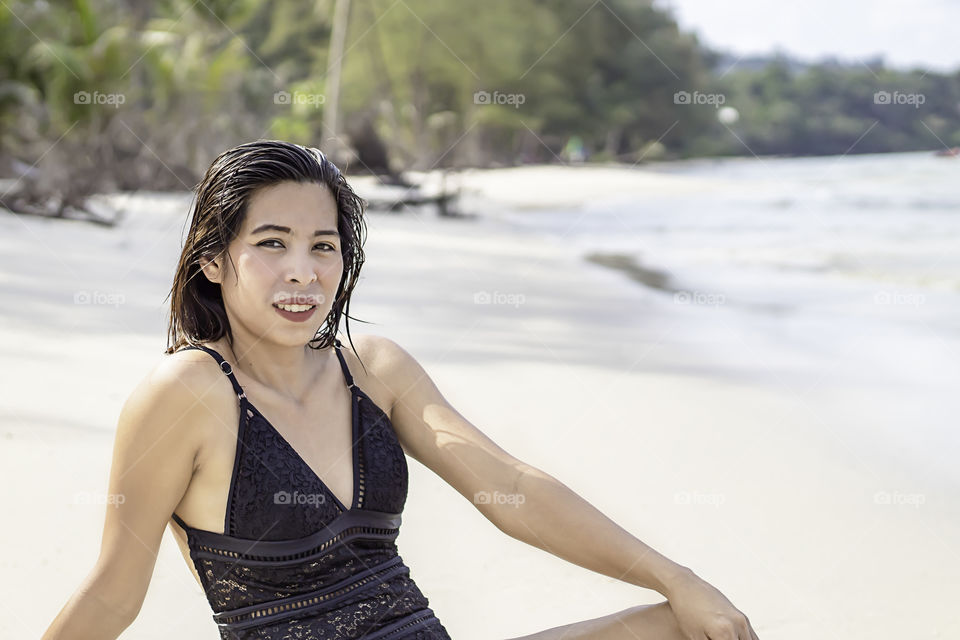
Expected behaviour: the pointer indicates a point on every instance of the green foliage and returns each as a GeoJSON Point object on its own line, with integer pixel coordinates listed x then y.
{"type": "Point", "coordinates": [434, 83]}
{"type": "Point", "coordinates": [832, 110]}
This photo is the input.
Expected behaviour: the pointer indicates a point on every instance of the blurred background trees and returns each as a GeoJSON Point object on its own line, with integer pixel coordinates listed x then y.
{"type": "Point", "coordinates": [139, 94]}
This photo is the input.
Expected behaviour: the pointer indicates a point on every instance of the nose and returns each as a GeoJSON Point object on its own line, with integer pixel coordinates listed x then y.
{"type": "Point", "coordinates": [302, 270]}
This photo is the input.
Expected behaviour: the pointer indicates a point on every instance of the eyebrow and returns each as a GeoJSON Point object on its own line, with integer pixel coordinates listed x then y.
{"type": "Point", "coordinates": [280, 228]}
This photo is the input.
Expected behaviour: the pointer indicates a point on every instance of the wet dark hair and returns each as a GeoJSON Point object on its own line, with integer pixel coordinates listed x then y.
{"type": "Point", "coordinates": [197, 312]}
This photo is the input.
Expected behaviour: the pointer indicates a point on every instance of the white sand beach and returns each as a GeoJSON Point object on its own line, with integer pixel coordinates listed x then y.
{"type": "Point", "coordinates": [754, 459]}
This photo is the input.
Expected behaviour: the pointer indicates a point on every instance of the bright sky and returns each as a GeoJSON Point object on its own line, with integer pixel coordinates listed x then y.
{"type": "Point", "coordinates": [919, 32]}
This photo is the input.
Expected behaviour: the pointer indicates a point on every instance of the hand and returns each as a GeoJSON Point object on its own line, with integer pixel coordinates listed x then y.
{"type": "Point", "coordinates": [702, 612]}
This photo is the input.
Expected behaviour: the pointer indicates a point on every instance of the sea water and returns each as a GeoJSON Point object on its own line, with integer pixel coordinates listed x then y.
{"type": "Point", "coordinates": [829, 273]}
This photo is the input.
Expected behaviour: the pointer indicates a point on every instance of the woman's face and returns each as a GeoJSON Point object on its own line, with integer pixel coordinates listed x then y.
{"type": "Point", "coordinates": [288, 251]}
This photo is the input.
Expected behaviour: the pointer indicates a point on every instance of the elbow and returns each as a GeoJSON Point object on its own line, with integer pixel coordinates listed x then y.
{"type": "Point", "coordinates": [122, 609]}
{"type": "Point", "coordinates": [115, 595]}
{"type": "Point", "coordinates": [90, 614]}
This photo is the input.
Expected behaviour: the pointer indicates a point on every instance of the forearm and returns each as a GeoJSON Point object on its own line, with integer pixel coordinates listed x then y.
{"type": "Point", "coordinates": [549, 515]}
{"type": "Point", "coordinates": [88, 615]}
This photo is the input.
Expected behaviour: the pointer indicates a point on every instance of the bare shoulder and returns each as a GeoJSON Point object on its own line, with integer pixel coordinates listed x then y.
{"type": "Point", "coordinates": [185, 391]}
{"type": "Point", "coordinates": [377, 349]}
{"type": "Point", "coordinates": [380, 356]}
{"type": "Point", "coordinates": [387, 370]}
{"type": "Point", "coordinates": [192, 374]}
{"type": "Point", "coordinates": [197, 379]}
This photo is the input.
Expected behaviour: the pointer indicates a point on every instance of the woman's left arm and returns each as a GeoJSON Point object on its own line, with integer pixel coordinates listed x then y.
{"type": "Point", "coordinates": [533, 506]}
{"type": "Point", "coordinates": [551, 516]}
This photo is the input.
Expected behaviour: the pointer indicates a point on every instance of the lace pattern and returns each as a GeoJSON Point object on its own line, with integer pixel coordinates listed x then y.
{"type": "Point", "coordinates": [276, 495]}
{"type": "Point", "coordinates": [387, 475]}
{"type": "Point", "coordinates": [230, 584]}
{"type": "Point", "coordinates": [362, 616]}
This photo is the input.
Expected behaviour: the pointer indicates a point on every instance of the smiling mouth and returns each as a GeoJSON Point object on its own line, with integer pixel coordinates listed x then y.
{"type": "Point", "coordinates": [295, 308]}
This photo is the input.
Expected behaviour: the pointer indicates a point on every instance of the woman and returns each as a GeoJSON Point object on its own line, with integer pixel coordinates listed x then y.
{"type": "Point", "coordinates": [289, 521]}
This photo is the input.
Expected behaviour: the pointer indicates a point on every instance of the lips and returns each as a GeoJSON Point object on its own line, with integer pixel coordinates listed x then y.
{"type": "Point", "coordinates": [297, 316]}
{"type": "Point", "coordinates": [294, 307]}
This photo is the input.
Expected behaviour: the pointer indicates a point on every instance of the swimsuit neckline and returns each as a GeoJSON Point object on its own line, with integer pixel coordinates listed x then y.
{"type": "Point", "coordinates": [355, 395]}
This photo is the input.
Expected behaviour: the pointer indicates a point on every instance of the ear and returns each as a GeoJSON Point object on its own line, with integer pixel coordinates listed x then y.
{"type": "Point", "coordinates": [212, 268]}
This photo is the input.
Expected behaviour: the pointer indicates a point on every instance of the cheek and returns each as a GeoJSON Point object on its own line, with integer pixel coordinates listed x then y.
{"type": "Point", "coordinates": [253, 279]}
{"type": "Point", "coordinates": [253, 270]}
{"type": "Point", "coordinates": [333, 271]}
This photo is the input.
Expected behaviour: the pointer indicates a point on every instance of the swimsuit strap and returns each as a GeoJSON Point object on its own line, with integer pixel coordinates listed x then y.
{"type": "Point", "coordinates": [343, 365]}
{"type": "Point", "coordinates": [179, 521]}
{"type": "Point", "coordinates": [228, 370]}
{"type": "Point", "coordinates": [224, 366]}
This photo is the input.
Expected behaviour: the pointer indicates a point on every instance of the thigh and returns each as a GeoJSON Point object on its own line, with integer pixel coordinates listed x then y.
{"type": "Point", "coordinates": [643, 622]}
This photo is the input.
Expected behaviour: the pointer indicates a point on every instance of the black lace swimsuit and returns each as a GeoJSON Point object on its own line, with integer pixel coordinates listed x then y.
{"type": "Point", "coordinates": [295, 562]}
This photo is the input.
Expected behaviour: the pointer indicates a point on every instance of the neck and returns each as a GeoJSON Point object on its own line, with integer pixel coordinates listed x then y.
{"type": "Point", "coordinates": [289, 371]}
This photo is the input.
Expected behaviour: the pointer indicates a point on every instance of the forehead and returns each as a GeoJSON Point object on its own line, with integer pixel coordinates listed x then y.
{"type": "Point", "coordinates": [293, 204]}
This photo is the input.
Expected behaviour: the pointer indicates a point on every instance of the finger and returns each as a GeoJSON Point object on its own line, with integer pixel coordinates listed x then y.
{"type": "Point", "coordinates": [742, 631]}
{"type": "Point", "coordinates": [746, 629]}
{"type": "Point", "coordinates": [728, 630]}
{"type": "Point", "coordinates": [699, 634]}
{"type": "Point", "coordinates": [751, 634]}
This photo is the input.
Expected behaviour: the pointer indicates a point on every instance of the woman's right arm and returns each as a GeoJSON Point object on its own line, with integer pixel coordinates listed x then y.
{"type": "Point", "coordinates": [156, 447]}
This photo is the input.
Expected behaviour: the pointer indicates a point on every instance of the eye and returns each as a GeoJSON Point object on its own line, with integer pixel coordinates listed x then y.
{"type": "Point", "coordinates": [329, 246]}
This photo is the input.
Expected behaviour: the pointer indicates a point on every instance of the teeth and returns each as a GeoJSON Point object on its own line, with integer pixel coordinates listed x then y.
{"type": "Point", "coordinates": [295, 307]}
